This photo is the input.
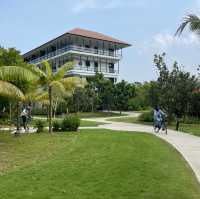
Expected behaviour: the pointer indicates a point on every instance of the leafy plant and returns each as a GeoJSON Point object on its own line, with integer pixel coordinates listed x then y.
{"type": "Point", "coordinates": [146, 117]}
{"type": "Point", "coordinates": [56, 125]}
{"type": "Point", "coordinates": [40, 124]}
{"type": "Point", "coordinates": [70, 123]}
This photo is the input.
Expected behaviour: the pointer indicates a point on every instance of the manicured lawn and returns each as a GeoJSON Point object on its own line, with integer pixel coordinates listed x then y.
{"type": "Point", "coordinates": [187, 128]}
{"type": "Point", "coordinates": [93, 164]}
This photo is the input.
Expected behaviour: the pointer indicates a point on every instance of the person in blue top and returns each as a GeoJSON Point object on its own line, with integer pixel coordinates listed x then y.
{"type": "Point", "coordinates": [158, 116]}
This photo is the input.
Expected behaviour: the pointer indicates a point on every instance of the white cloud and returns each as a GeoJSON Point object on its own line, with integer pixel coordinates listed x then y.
{"type": "Point", "coordinates": [166, 40]}
{"type": "Point", "coordinates": [83, 5]}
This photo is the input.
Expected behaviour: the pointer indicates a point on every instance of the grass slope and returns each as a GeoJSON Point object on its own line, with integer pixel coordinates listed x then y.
{"type": "Point", "coordinates": [93, 164]}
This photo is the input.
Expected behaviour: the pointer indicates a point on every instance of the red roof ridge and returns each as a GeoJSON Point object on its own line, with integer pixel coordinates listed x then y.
{"type": "Point", "coordinates": [95, 35]}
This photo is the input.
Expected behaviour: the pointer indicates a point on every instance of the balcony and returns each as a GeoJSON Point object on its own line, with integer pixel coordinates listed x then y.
{"type": "Point", "coordinates": [90, 71]}
{"type": "Point", "coordinates": [74, 49]}
{"type": "Point", "coordinates": [94, 69]}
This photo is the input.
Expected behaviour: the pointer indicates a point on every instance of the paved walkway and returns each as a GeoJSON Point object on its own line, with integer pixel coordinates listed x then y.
{"type": "Point", "coordinates": [188, 145]}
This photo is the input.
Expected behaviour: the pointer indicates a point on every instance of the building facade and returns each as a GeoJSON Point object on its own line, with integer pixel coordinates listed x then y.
{"type": "Point", "coordinates": [91, 51]}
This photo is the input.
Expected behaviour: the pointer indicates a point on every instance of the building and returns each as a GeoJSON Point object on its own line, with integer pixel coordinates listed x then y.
{"type": "Point", "coordinates": [91, 51]}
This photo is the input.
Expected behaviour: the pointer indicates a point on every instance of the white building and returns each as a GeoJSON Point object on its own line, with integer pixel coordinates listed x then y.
{"type": "Point", "coordinates": [92, 52]}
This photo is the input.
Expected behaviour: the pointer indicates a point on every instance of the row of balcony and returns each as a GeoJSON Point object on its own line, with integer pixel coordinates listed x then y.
{"type": "Point", "coordinates": [96, 69]}
{"type": "Point", "coordinates": [108, 53]}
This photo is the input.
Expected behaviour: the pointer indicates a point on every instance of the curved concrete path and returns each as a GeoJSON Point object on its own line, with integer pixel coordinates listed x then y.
{"type": "Point", "coordinates": [188, 145]}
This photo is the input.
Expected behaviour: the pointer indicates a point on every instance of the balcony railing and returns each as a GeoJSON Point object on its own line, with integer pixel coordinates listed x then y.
{"type": "Point", "coordinates": [78, 49]}
{"type": "Point", "coordinates": [93, 69]}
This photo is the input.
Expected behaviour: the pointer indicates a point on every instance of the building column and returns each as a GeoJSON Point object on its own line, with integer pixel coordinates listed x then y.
{"type": "Point", "coordinates": [103, 47]}
{"type": "Point", "coordinates": [100, 64]}
{"type": "Point", "coordinates": [106, 65]}
{"type": "Point", "coordinates": [118, 67]}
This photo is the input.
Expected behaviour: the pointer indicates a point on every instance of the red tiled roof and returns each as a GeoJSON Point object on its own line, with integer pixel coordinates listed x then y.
{"type": "Point", "coordinates": [85, 33]}
{"type": "Point", "coordinates": [95, 35]}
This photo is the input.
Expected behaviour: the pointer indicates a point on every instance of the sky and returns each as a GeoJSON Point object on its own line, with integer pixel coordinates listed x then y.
{"type": "Point", "coordinates": [149, 25]}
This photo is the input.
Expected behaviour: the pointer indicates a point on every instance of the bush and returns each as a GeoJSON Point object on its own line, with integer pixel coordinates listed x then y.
{"type": "Point", "coordinates": [70, 123]}
{"type": "Point", "coordinates": [146, 117]}
{"type": "Point", "coordinates": [40, 124]}
{"type": "Point", "coordinates": [5, 121]}
{"type": "Point", "coordinates": [56, 125]}
{"type": "Point", "coordinates": [134, 104]}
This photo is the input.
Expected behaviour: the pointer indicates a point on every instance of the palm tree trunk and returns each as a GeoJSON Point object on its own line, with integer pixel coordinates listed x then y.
{"type": "Point", "coordinates": [50, 109]}
{"type": "Point", "coordinates": [10, 111]}
{"type": "Point", "coordinates": [18, 119]}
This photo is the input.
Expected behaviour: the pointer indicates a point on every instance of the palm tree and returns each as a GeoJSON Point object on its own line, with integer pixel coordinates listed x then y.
{"type": "Point", "coordinates": [15, 81]}
{"type": "Point", "coordinates": [191, 20]}
{"type": "Point", "coordinates": [52, 82]}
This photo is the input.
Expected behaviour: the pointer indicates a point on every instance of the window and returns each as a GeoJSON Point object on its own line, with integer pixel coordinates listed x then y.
{"type": "Point", "coordinates": [87, 63]}
{"type": "Point", "coordinates": [111, 52]}
{"type": "Point", "coordinates": [96, 64]}
{"type": "Point", "coordinates": [87, 46]}
{"type": "Point", "coordinates": [96, 49]}
{"type": "Point", "coordinates": [111, 67]}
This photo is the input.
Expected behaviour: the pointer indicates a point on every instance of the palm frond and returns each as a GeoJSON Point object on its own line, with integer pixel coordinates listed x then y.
{"type": "Point", "coordinates": [16, 73]}
{"type": "Point", "coordinates": [73, 82]}
{"type": "Point", "coordinates": [62, 70]}
{"type": "Point", "coordinates": [57, 87]}
{"type": "Point", "coordinates": [10, 91]}
{"type": "Point", "coordinates": [193, 21]}
{"type": "Point", "coordinates": [36, 70]}
{"type": "Point", "coordinates": [42, 96]}
{"type": "Point", "coordinates": [46, 68]}
{"type": "Point", "coordinates": [31, 96]}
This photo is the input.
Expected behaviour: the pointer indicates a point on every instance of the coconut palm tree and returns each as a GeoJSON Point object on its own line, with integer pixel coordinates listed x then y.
{"type": "Point", "coordinates": [191, 20]}
{"type": "Point", "coordinates": [53, 82]}
{"type": "Point", "coordinates": [15, 81]}
{"type": "Point", "coordinates": [59, 95]}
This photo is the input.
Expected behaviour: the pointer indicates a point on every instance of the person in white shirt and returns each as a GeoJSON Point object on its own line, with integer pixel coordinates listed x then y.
{"type": "Point", "coordinates": [24, 116]}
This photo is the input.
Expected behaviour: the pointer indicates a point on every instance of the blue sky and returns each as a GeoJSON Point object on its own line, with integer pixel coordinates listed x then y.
{"type": "Point", "coordinates": [149, 25]}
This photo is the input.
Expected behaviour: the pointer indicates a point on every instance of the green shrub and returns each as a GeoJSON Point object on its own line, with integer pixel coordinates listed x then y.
{"type": "Point", "coordinates": [56, 125]}
{"type": "Point", "coordinates": [70, 123]}
{"type": "Point", "coordinates": [5, 121]}
{"type": "Point", "coordinates": [146, 117]}
{"type": "Point", "coordinates": [40, 124]}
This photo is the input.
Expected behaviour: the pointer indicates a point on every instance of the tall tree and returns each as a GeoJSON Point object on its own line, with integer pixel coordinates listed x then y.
{"type": "Point", "coordinates": [54, 83]}
{"type": "Point", "coordinates": [175, 88]}
{"type": "Point", "coordinates": [122, 93]}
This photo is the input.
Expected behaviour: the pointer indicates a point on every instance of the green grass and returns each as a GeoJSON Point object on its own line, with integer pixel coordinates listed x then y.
{"type": "Point", "coordinates": [187, 128]}
{"type": "Point", "coordinates": [193, 129]}
{"type": "Point", "coordinates": [93, 164]}
{"type": "Point", "coordinates": [85, 123]}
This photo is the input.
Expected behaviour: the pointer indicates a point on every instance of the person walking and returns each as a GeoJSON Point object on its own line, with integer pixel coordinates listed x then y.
{"type": "Point", "coordinates": [158, 116]}
{"type": "Point", "coordinates": [24, 116]}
